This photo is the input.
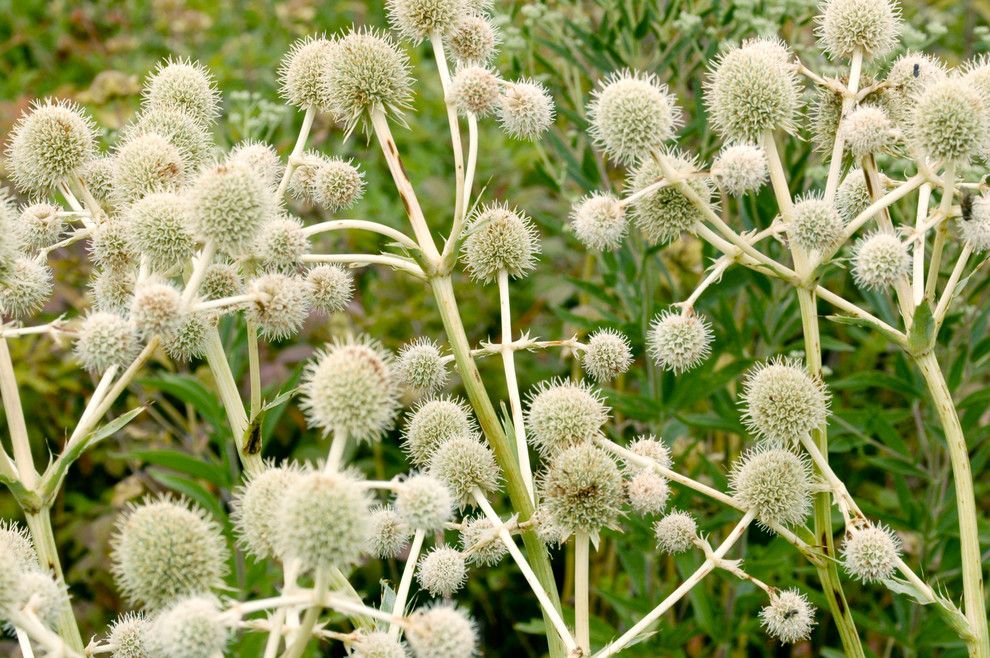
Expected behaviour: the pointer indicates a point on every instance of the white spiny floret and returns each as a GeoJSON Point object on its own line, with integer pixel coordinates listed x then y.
{"type": "Point", "coordinates": [256, 507]}
{"type": "Point", "coordinates": [281, 305]}
{"type": "Point", "coordinates": [260, 157]}
{"type": "Point", "coordinates": [40, 225]}
{"type": "Point", "coordinates": [300, 73]}
{"type": "Point", "coordinates": [631, 115]}
{"type": "Point", "coordinates": [331, 287]}
{"type": "Point", "coordinates": [775, 484]}
{"type": "Point", "coordinates": [376, 644]}
{"type": "Point", "coordinates": [649, 446]}
{"type": "Point", "coordinates": [104, 340]}
{"type": "Point", "coordinates": [110, 244]}
{"type": "Point", "coordinates": [853, 195]}
{"type": "Point", "coordinates": [951, 120]}
{"type": "Point", "coordinates": [870, 553]}
{"type": "Point", "coordinates": [789, 617]}
{"type": "Point", "coordinates": [281, 244]}
{"type": "Point", "coordinates": [424, 502]}
{"type": "Point", "coordinates": [156, 308]}
{"type": "Point", "coordinates": [48, 143]}
{"type": "Point", "coordinates": [433, 423]}
{"type": "Point", "coordinates": [125, 637]}
{"type": "Point", "coordinates": [442, 571]}
{"type": "Point", "coordinates": [647, 492]}
{"type": "Point", "coordinates": [879, 261]}
{"type": "Point", "coordinates": [112, 290]}
{"type": "Point", "coordinates": [564, 413]}
{"type": "Point", "coordinates": [498, 238]}
{"type": "Point", "coordinates": [97, 174]}
{"type": "Point", "coordinates": [350, 387]}
{"type": "Point", "coordinates": [187, 341]}
{"type": "Point", "coordinates": [976, 229]}
{"type": "Point", "coordinates": [465, 464]}
{"type": "Point", "coordinates": [816, 224]}
{"type": "Point", "coordinates": [146, 163]}
{"type": "Point", "coordinates": [473, 39]}
{"type": "Point", "coordinates": [417, 20]}
{"type": "Point", "coordinates": [867, 130]}
{"type": "Point", "coordinates": [475, 90]}
{"type": "Point", "coordinates": [421, 366]}
{"type": "Point", "coordinates": [183, 85]}
{"type": "Point", "coordinates": [665, 213]}
{"type": "Point", "coordinates": [160, 228]}
{"type": "Point", "coordinates": [16, 544]}
{"type": "Point", "coordinates": [388, 534]}
{"type": "Point", "coordinates": [525, 109]}
{"type": "Point", "coordinates": [679, 341]}
{"type": "Point", "coordinates": [25, 288]}
{"type": "Point", "coordinates": [599, 222]}
{"type": "Point", "coordinates": [781, 402]}
{"type": "Point", "coordinates": [442, 631]}
{"type": "Point", "coordinates": [191, 628]}
{"type": "Point", "coordinates": [222, 279]}
{"type": "Point", "coordinates": [741, 169]}
{"type": "Point", "coordinates": [868, 26]}
{"type": "Point", "coordinates": [193, 139]}
{"type": "Point", "coordinates": [337, 185]}
{"type": "Point", "coordinates": [582, 489]}
{"type": "Point", "coordinates": [229, 204]}
{"type": "Point", "coordinates": [676, 532]}
{"type": "Point", "coordinates": [48, 597]}
{"type": "Point", "coordinates": [480, 535]}
{"type": "Point", "coordinates": [607, 355]}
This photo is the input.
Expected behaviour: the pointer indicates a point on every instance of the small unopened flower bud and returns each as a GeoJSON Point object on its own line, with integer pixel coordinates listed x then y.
{"type": "Point", "coordinates": [388, 533]}
{"type": "Point", "coordinates": [631, 115]}
{"type": "Point", "coordinates": [25, 288]}
{"type": "Point", "coordinates": [256, 507]}
{"type": "Point", "coordinates": [433, 423]}
{"type": "Point", "coordinates": [442, 571]}
{"type": "Point", "coordinates": [582, 489]}
{"type": "Point", "coordinates": [282, 304]}
{"type": "Point", "coordinates": [475, 90]}
{"type": "Point", "coordinates": [879, 261]}
{"type": "Point", "coordinates": [40, 225]}
{"type": "Point", "coordinates": [599, 222]}
{"type": "Point", "coordinates": [191, 628]}
{"type": "Point", "coordinates": [665, 213]}
{"type": "Point", "coordinates": [104, 340]}
{"type": "Point", "coordinates": [867, 130]}
{"type": "Point", "coordinates": [498, 238]}
{"type": "Point", "coordinates": [607, 355]}
{"type": "Point", "coordinates": [479, 535]}
{"type": "Point", "coordinates": [300, 73]}
{"type": "Point", "coordinates": [868, 26]}
{"type": "Point", "coordinates": [261, 158]}
{"type": "Point", "coordinates": [741, 169]}
{"type": "Point", "coordinates": [775, 483]}
{"type": "Point", "coordinates": [562, 414]}
{"type": "Point", "coordinates": [870, 554]}
{"type": "Point", "coordinates": [649, 446]}
{"type": "Point", "coordinates": [156, 308]}
{"type": "Point", "coordinates": [647, 492]}
{"type": "Point", "coordinates": [183, 85]}
{"type": "Point", "coordinates": [464, 464]}
{"type": "Point", "coordinates": [473, 39]}
{"type": "Point", "coordinates": [782, 402]}
{"type": "Point", "coordinates": [160, 228]}
{"type": "Point", "coordinates": [676, 532]}
{"type": "Point", "coordinates": [789, 617]}
{"type": "Point", "coordinates": [442, 632]}
{"type": "Point", "coordinates": [424, 502]}
{"type": "Point", "coordinates": [331, 287]}
{"type": "Point", "coordinates": [377, 644]}
{"type": "Point", "coordinates": [951, 120]}
{"type": "Point", "coordinates": [525, 110]}
{"type": "Point", "coordinates": [146, 163]}
{"type": "Point", "coordinates": [421, 367]}
{"type": "Point", "coordinates": [853, 196]}
{"type": "Point", "coordinates": [48, 143]}
{"type": "Point", "coordinates": [281, 244]}
{"type": "Point", "coordinates": [678, 342]}
{"type": "Point", "coordinates": [229, 204]}
{"type": "Point", "coordinates": [125, 637]}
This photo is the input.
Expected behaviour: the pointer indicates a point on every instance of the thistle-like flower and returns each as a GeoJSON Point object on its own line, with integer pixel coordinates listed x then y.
{"type": "Point", "coordinates": [417, 20]}
{"type": "Point", "coordinates": [475, 90]}
{"type": "Point", "coordinates": [582, 489]}
{"type": "Point", "coordinates": [465, 464]}
{"type": "Point", "coordinates": [104, 340]}
{"type": "Point", "coordinates": [647, 492]}
{"type": "Point", "coordinates": [816, 224]}
{"type": "Point", "coordinates": [300, 73]}
{"type": "Point", "coordinates": [976, 230]}
{"type": "Point", "coordinates": [599, 222]}
{"type": "Point", "coordinates": [421, 366]}
{"type": "Point", "coordinates": [191, 628]}
{"type": "Point", "coordinates": [649, 446]}
{"type": "Point", "coordinates": [631, 115]}
{"type": "Point", "coordinates": [125, 637]}
{"type": "Point", "coordinates": [853, 196]}
{"type": "Point", "coordinates": [376, 644]}
{"type": "Point", "coordinates": [473, 39]}
{"type": "Point", "coordinates": [191, 137]}
{"type": "Point", "coordinates": [442, 631]}
{"type": "Point", "coordinates": [256, 507]}
{"type": "Point", "coordinates": [607, 355]}
{"type": "Point", "coordinates": [424, 502]}
{"type": "Point", "coordinates": [879, 260]}
{"type": "Point", "coordinates": [433, 423]}
{"type": "Point", "coordinates": [951, 120]}
{"type": "Point", "coordinates": [25, 288]}
{"type": "Point", "coordinates": [867, 130]}
{"type": "Point", "coordinates": [870, 553]}
{"type": "Point", "coordinates": [788, 617]}
{"type": "Point", "coordinates": [442, 571]}
{"type": "Point", "coordinates": [261, 158]}
{"type": "Point", "coordinates": [781, 402]}
{"type": "Point", "coordinates": [144, 164]}
{"type": "Point", "coordinates": [741, 169]}
{"type": "Point", "coordinates": [775, 483]}
{"type": "Point", "coordinates": [562, 414]}
{"type": "Point", "coordinates": [183, 85]}
{"type": "Point", "coordinates": [388, 533]}
{"type": "Point", "coordinates": [281, 244]}
{"type": "Point", "coordinates": [525, 109]}
{"type": "Point", "coordinates": [39, 225]}
{"type": "Point", "coordinates": [479, 535]}
{"type": "Point", "coordinates": [676, 532]}
{"type": "Point", "coordinates": [498, 238]}
{"type": "Point", "coordinates": [331, 287]}
{"type": "Point", "coordinates": [665, 213]}
{"type": "Point", "coordinates": [160, 228]}
{"type": "Point", "coordinates": [229, 204]}
{"type": "Point", "coordinates": [679, 342]}
{"type": "Point", "coordinates": [48, 143]}
{"type": "Point", "coordinates": [281, 305]}
{"type": "Point", "coordinates": [156, 308]}
{"type": "Point", "coordinates": [868, 26]}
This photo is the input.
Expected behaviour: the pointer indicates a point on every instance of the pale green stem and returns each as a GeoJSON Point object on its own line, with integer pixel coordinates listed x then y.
{"type": "Point", "coordinates": [509, 365]}
{"type": "Point", "coordinates": [918, 253]}
{"type": "Point", "coordinates": [361, 225]}
{"type": "Point", "coordinates": [405, 583]}
{"type": "Point", "coordinates": [297, 150]}
{"type": "Point", "coordinates": [231, 398]}
{"type": "Point", "coordinates": [942, 232]}
{"type": "Point", "coordinates": [581, 613]}
{"type": "Point", "coordinates": [305, 631]}
{"type": "Point", "coordinates": [254, 366]}
{"type": "Point", "coordinates": [455, 130]}
{"type": "Point", "coordinates": [835, 163]}
{"type": "Point", "coordinates": [950, 285]}
{"type": "Point", "coordinates": [356, 260]}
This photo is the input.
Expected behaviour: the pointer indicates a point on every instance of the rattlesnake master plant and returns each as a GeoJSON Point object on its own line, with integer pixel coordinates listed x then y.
{"type": "Point", "coordinates": [183, 235]}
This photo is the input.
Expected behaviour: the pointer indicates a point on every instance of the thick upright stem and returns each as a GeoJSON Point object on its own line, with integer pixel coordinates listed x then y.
{"type": "Point", "coordinates": [15, 419]}
{"type": "Point", "coordinates": [40, 526]}
{"type": "Point", "coordinates": [582, 626]}
{"type": "Point", "coordinates": [231, 399]}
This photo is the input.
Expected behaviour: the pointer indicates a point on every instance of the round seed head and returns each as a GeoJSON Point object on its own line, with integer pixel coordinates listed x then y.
{"type": "Point", "coordinates": [562, 414]}
{"type": "Point", "coordinates": [421, 367]}
{"type": "Point", "coordinates": [350, 387]}
{"type": "Point", "coordinates": [367, 73]}
{"type": "Point", "coordinates": [160, 228]}
{"type": "Point", "coordinates": [816, 224]}
{"type": "Point", "coordinates": [869, 26]}
{"type": "Point", "coordinates": [261, 158]}
{"type": "Point", "coordinates": [417, 20]}
{"type": "Point", "coordinates": [741, 169]}
{"type": "Point", "coordinates": [183, 85]}
{"type": "Point", "coordinates": [664, 214]}
{"type": "Point", "coordinates": [301, 71]}
{"type": "Point", "coordinates": [40, 225]}
{"type": "Point", "coordinates": [165, 549]}
{"type": "Point", "coordinates": [475, 90]}
{"type": "Point", "coordinates": [191, 137]}
{"type": "Point", "coordinates": [221, 280]}
{"type": "Point", "coordinates": [751, 90]}
{"type": "Point", "coordinates": [146, 163]}
{"type": "Point", "coordinates": [879, 261]}
{"type": "Point", "coordinates": [781, 402]}
{"type": "Point", "coordinates": [647, 492]}
{"type": "Point", "coordinates": [775, 483]}
{"type": "Point", "coordinates": [582, 489]}
{"type": "Point", "coordinates": [442, 571]}
{"type": "Point", "coordinates": [424, 503]}
{"type": "Point", "coordinates": [126, 636]}
{"type": "Point", "coordinates": [388, 535]}
{"type": "Point", "coordinates": [187, 341]}
{"type": "Point", "coordinates": [97, 174]}
{"type": "Point", "coordinates": [870, 554]}
{"type": "Point", "coordinates": [867, 130]}
{"type": "Point", "coordinates": [256, 507]}
{"type": "Point", "coordinates": [11, 234]}
{"type": "Point", "coordinates": [10, 575]}
{"type": "Point", "coordinates": [498, 238]}
{"type": "Point", "coordinates": [479, 534]}
{"type": "Point", "coordinates": [607, 355]}
{"type": "Point", "coordinates": [281, 244]}
{"type": "Point", "coordinates": [853, 196]}
{"type": "Point", "coordinates": [525, 110]}
{"type": "Point", "coordinates": [433, 423]}
{"type": "Point", "coordinates": [25, 288]}
{"type": "Point", "coordinates": [48, 143]}
{"type": "Point", "coordinates": [547, 529]}
{"type": "Point", "coordinates": [599, 222]}
{"type": "Point", "coordinates": [113, 290]}
{"type": "Point", "coordinates": [337, 185]}
{"type": "Point", "coordinates": [473, 39]}
{"type": "Point", "coordinates": [281, 307]}
{"type": "Point", "coordinates": [323, 520]}
{"type": "Point", "coordinates": [976, 230]}
{"type": "Point", "coordinates": [229, 204]}
{"type": "Point", "coordinates": [104, 340]}
{"type": "Point", "coordinates": [376, 644]}
{"type": "Point", "coordinates": [676, 532]}
{"type": "Point", "coordinates": [464, 464]}
{"type": "Point", "coordinates": [156, 308]}
{"type": "Point", "coordinates": [631, 115]}
{"type": "Point", "coordinates": [48, 597]}
{"type": "Point", "coordinates": [908, 76]}
{"type": "Point", "coordinates": [331, 288]}
{"type": "Point", "coordinates": [679, 342]}
{"type": "Point", "coordinates": [111, 245]}
{"type": "Point", "coordinates": [16, 544]}
{"type": "Point", "coordinates": [951, 120]}
{"type": "Point", "coordinates": [191, 628]}
{"type": "Point", "coordinates": [649, 446]}
{"type": "Point", "coordinates": [789, 617]}
{"type": "Point", "coordinates": [442, 631]}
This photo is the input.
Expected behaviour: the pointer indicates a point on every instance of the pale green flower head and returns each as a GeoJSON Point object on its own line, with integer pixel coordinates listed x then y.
{"type": "Point", "coordinates": [631, 115]}
{"type": "Point", "coordinates": [50, 142]}
{"type": "Point", "coordinates": [789, 617]}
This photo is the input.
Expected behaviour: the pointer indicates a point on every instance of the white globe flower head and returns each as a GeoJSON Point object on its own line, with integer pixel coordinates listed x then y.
{"type": "Point", "coordinates": [260, 157]}
{"type": "Point", "coordinates": [183, 85]}
{"type": "Point", "coordinates": [222, 279]}
{"type": "Point", "coordinates": [388, 533]}
{"type": "Point", "coordinates": [870, 553]}
{"type": "Point", "coordinates": [161, 228]}
{"type": "Point", "coordinates": [193, 140]}
{"type": "Point", "coordinates": [229, 204]}
{"type": "Point", "coordinates": [442, 571]}
{"type": "Point", "coordinates": [631, 115]}
{"type": "Point", "coordinates": [789, 617]}
{"type": "Point", "coordinates": [156, 308]}
{"type": "Point", "coordinates": [599, 222]}
{"type": "Point", "coordinates": [497, 239]}
{"type": "Point", "coordinates": [424, 503]}
{"type": "Point", "coordinates": [112, 290]}
{"type": "Point", "coordinates": [676, 532]}
{"type": "Point", "coordinates": [146, 163]}
{"type": "Point", "coordinates": [607, 355]}
{"type": "Point", "coordinates": [104, 340]}
{"type": "Point", "coordinates": [418, 20]}
{"type": "Point", "coordinates": [48, 596]}
{"type": "Point", "coordinates": [951, 120]}
{"type": "Point", "coordinates": [433, 423]}
{"type": "Point", "coordinates": [421, 366]}
{"type": "Point", "coordinates": [870, 27]}
{"type": "Point", "coordinates": [331, 287]}
{"type": "Point", "coordinates": [647, 492]}
{"type": "Point", "coordinates": [853, 195]}
{"type": "Point", "coordinates": [300, 73]}
{"type": "Point", "coordinates": [782, 403]}
{"type": "Point", "coordinates": [336, 184]}
{"type": "Point", "coordinates": [51, 141]}
{"type": "Point", "coordinates": [110, 244]}
{"type": "Point", "coordinates": [256, 507]}
{"type": "Point", "coordinates": [908, 76]}
{"type": "Point", "coordinates": [191, 628]}
{"type": "Point", "coordinates": [473, 39]}
{"type": "Point", "coordinates": [125, 637]}
{"type": "Point", "coordinates": [442, 631]}
{"type": "Point", "coordinates": [816, 224]}
{"type": "Point", "coordinates": [481, 543]}
{"type": "Point", "coordinates": [281, 244]}
{"type": "Point", "coordinates": [40, 225]}
{"type": "Point", "coordinates": [976, 229]}
{"type": "Point", "coordinates": [867, 130]}
{"type": "Point", "coordinates": [563, 413]}
{"type": "Point", "coordinates": [665, 213]}
{"type": "Point", "coordinates": [376, 644]}
{"type": "Point", "coordinates": [679, 341]}
{"type": "Point", "coordinates": [281, 304]}
{"type": "Point", "coordinates": [25, 288]}
{"type": "Point", "coordinates": [649, 446]}
{"type": "Point", "coordinates": [775, 484]}
{"type": "Point", "coordinates": [16, 544]}
{"type": "Point", "coordinates": [465, 465]}
{"type": "Point", "coordinates": [582, 490]}
{"type": "Point", "coordinates": [879, 261]}
{"type": "Point", "coordinates": [741, 169]}
{"type": "Point", "coordinates": [475, 90]}
{"type": "Point", "coordinates": [525, 110]}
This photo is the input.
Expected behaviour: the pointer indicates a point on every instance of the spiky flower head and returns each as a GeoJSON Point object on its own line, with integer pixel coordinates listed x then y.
{"type": "Point", "coordinates": [479, 535]}
{"type": "Point", "coordinates": [222, 279]}
{"type": "Point", "coordinates": [417, 20]}
{"type": "Point", "coordinates": [631, 115]}
{"type": "Point", "coordinates": [191, 628]}
{"type": "Point", "coordinates": [525, 109]}
{"type": "Point", "coordinates": [647, 492]}
{"type": "Point", "coordinates": [191, 137]}
{"type": "Point", "coordinates": [424, 502]}
{"type": "Point", "coordinates": [40, 225]}
{"type": "Point", "coordinates": [367, 73]}
{"type": "Point", "coordinates": [433, 423]}
{"type": "Point", "coordinates": [475, 90]}
{"type": "Point", "coordinates": [676, 532]}
{"type": "Point", "coordinates": [256, 507]}
{"type": "Point", "coordinates": [870, 27]}
{"type": "Point", "coordinates": [679, 341]}
{"type": "Point", "coordinates": [879, 260]}
{"type": "Point", "coordinates": [473, 39]}
{"type": "Point", "coordinates": [442, 631]}
{"type": "Point", "coordinates": [499, 238]}
{"type": "Point", "coordinates": [465, 464]}
{"type": "Point", "coordinates": [564, 413]}
{"type": "Point", "coordinates": [350, 387]}
{"type": "Point", "coordinates": [649, 446]}
{"type": "Point", "coordinates": [582, 489]}
{"type": "Point", "coordinates": [337, 185]}
{"type": "Point", "coordinates": [229, 203]}
{"type": "Point", "coordinates": [753, 89]}
{"type": "Point", "coordinates": [607, 355]}
{"type": "Point", "coordinates": [816, 224]}
{"type": "Point", "coordinates": [97, 174]}
{"type": "Point", "coordinates": [741, 169]}
{"type": "Point", "coordinates": [260, 157]}
{"type": "Point", "coordinates": [165, 549]}
{"type": "Point", "coordinates": [662, 215]}
{"type": "Point", "coordinates": [853, 195]}
{"type": "Point", "coordinates": [789, 617]}
{"type": "Point", "coordinates": [599, 222]}
{"type": "Point", "coordinates": [331, 287]}
{"type": "Point", "coordinates": [125, 637]}
{"type": "Point", "coordinates": [775, 483]}
{"type": "Point", "coordinates": [110, 244]}
{"type": "Point", "coordinates": [282, 304]}
{"type": "Point", "coordinates": [281, 244]}
{"type": "Point", "coordinates": [870, 553]}
{"type": "Point", "coordinates": [48, 596]}
{"type": "Point", "coordinates": [48, 143]}
{"type": "Point", "coordinates": [146, 163]}
{"type": "Point", "coordinates": [156, 308]}
{"type": "Point", "coordinates": [16, 544]}
{"type": "Point", "coordinates": [160, 228]}
{"type": "Point", "coordinates": [25, 288]}
{"type": "Point", "coordinates": [104, 340]}
{"type": "Point", "coordinates": [301, 71]}
{"type": "Point", "coordinates": [867, 130]}
{"type": "Point", "coordinates": [323, 520]}
{"type": "Point", "coordinates": [421, 366]}
{"type": "Point", "coordinates": [113, 290]}
{"type": "Point", "coordinates": [951, 120]}
{"type": "Point", "coordinates": [782, 403]}
{"type": "Point", "coordinates": [908, 76]}
{"type": "Point", "coordinates": [388, 533]}
{"type": "Point", "coordinates": [188, 340]}
{"type": "Point", "coordinates": [377, 644]}
{"type": "Point", "coordinates": [442, 571]}
{"type": "Point", "coordinates": [976, 229]}
{"type": "Point", "coordinates": [184, 85]}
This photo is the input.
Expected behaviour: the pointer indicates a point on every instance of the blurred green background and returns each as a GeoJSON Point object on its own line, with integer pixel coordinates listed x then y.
{"type": "Point", "coordinates": [885, 441]}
